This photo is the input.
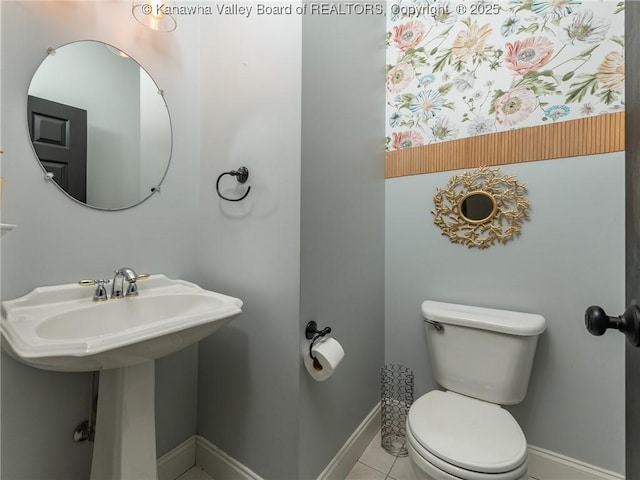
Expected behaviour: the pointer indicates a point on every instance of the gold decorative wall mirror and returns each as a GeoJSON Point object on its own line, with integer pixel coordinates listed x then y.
{"type": "Point", "coordinates": [481, 207]}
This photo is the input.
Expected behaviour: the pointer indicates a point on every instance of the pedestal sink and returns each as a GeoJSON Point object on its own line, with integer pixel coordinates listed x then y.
{"type": "Point", "coordinates": [60, 328]}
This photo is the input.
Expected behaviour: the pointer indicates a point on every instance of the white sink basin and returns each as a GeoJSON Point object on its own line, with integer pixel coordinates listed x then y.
{"type": "Point", "coordinates": [61, 328]}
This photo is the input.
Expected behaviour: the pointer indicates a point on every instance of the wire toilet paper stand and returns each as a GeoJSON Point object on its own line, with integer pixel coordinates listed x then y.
{"type": "Point", "coordinates": [396, 397]}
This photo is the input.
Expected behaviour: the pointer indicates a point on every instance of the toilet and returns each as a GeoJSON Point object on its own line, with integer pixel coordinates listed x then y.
{"type": "Point", "coordinates": [482, 357]}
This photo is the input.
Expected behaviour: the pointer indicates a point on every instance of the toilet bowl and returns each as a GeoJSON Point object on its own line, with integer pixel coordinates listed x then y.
{"type": "Point", "coordinates": [452, 437]}
{"type": "Point", "coordinates": [482, 358]}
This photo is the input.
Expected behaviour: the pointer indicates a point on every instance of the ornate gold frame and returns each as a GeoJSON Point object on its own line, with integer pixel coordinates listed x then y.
{"type": "Point", "coordinates": [503, 223]}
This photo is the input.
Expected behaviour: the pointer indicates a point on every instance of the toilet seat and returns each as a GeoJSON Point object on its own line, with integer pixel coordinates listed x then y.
{"type": "Point", "coordinates": [436, 469]}
{"type": "Point", "coordinates": [466, 437]}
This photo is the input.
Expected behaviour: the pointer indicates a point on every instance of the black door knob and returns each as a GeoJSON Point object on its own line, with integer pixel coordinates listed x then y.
{"type": "Point", "coordinates": [597, 322]}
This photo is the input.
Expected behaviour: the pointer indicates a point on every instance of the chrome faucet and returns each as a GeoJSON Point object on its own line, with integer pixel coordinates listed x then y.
{"type": "Point", "coordinates": [122, 274]}
{"type": "Point", "coordinates": [117, 288]}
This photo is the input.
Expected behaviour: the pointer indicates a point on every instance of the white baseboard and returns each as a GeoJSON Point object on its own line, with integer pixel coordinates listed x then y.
{"type": "Point", "coordinates": [177, 461]}
{"type": "Point", "coordinates": [543, 464]}
{"type": "Point", "coordinates": [340, 466]}
{"type": "Point", "coordinates": [218, 464]}
{"type": "Point", "coordinates": [548, 465]}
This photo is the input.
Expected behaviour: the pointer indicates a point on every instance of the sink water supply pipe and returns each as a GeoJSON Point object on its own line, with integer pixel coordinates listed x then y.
{"type": "Point", "coordinates": [87, 429]}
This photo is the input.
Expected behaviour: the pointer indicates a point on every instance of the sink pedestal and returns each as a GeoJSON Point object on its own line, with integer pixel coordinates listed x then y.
{"type": "Point", "coordinates": [125, 436]}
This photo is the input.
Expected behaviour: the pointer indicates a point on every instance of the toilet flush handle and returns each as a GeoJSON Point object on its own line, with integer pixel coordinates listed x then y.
{"type": "Point", "coordinates": [437, 325]}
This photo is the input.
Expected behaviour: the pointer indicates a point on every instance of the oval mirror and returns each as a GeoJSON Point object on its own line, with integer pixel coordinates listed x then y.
{"type": "Point", "coordinates": [99, 125]}
{"type": "Point", "coordinates": [477, 207]}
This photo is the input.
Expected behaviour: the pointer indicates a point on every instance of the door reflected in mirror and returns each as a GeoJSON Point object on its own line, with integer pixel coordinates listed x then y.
{"type": "Point", "coordinates": [477, 207]}
{"type": "Point", "coordinates": [99, 125]}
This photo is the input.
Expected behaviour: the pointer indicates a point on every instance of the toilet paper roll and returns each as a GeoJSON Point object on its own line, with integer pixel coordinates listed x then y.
{"type": "Point", "coordinates": [328, 353]}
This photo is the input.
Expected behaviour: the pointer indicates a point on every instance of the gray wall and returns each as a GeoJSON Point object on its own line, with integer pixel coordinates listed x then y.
{"type": "Point", "coordinates": [60, 241]}
{"type": "Point", "coordinates": [570, 255]}
{"type": "Point", "coordinates": [306, 244]}
{"type": "Point", "coordinates": [248, 385]}
{"type": "Point", "coordinates": [342, 224]}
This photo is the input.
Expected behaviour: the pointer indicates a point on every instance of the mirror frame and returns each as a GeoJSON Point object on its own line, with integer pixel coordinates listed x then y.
{"type": "Point", "coordinates": [511, 208]}
{"type": "Point", "coordinates": [153, 188]}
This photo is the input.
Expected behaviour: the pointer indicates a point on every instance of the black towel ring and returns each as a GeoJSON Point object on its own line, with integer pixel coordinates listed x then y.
{"type": "Point", "coordinates": [242, 174]}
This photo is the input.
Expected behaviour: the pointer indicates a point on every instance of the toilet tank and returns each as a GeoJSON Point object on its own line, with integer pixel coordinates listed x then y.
{"type": "Point", "coordinates": [483, 353]}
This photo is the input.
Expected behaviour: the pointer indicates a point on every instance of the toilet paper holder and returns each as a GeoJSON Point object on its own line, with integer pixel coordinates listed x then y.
{"type": "Point", "coordinates": [312, 333]}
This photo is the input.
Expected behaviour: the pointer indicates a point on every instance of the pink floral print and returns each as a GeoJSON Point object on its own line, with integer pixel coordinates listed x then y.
{"type": "Point", "coordinates": [515, 106]}
{"type": "Point", "coordinates": [529, 54]}
{"type": "Point", "coordinates": [407, 139]}
{"type": "Point", "coordinates": [399, 77]}
{"type": "Point", "coordinates": [408, 35]}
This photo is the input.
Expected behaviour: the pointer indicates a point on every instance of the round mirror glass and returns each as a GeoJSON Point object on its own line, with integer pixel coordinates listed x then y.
{"type": "Point", "coordinates": [477, 207]}
{"type": "Point", "coordinates": [99, 125]}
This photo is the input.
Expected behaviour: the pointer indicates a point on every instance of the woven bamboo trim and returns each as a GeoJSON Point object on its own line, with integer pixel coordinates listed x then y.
{"type": "Point", "coordinates": [585, 136]}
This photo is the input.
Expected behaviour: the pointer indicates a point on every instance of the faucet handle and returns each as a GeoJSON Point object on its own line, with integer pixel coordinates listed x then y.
{"type": "Point", "coordinates": [101, 292]}
{"type": "Point", "coordinates": [132, 288]}
{"type": "Point", "coordinates": [87, 282]}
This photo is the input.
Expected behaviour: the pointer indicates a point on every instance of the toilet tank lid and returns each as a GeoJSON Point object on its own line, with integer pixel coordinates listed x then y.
{"type": "Point", "coordinates": [505, 321]}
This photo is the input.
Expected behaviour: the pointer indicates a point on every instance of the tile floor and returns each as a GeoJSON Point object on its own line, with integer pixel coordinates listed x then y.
{"type": "Point", "coordinates": [194, 473]}
{"type": "Point", "coordinates": [376, 464]}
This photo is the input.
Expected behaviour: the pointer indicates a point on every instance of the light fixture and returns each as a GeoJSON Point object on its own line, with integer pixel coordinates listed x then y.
{"type": "Point", "coordinates": [154, 14]}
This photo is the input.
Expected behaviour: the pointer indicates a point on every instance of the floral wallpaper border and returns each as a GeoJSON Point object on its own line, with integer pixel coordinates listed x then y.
{"type": "Point", "coordinates": [457, 70]}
